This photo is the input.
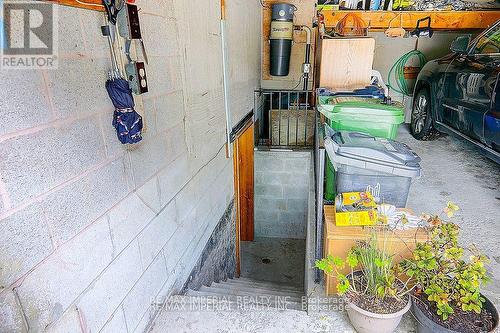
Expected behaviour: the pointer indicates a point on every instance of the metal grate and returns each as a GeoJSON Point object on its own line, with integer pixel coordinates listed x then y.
{"type": "Point", "coordinates": [284, 118]}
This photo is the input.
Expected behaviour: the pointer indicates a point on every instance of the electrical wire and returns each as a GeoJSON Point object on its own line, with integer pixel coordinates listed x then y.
{"type": "Point", "coordinates": [358, 26]}
{"type": "Point", "coordinates": [298, 84]}
{"type": "Point", "coordinates": [88, 3]}
{"type": "Point", "coordinates": [397, 72]}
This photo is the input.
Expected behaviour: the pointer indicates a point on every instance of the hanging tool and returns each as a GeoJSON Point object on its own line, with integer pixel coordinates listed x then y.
{"type": "Point", "coordinates": [423, 31]}
{"type": "Point", "coordinates": [396, 32]}
{"type": "Point", "coordinates": [112, 8]}
{"type": "Point", "coordinates": [108, 31]}
{"type": "Point", "coordinates": [400, 70]}
{"type": "Point", "coordinates": [126, 121]}
{"type": "Point", "coordinates": [306, 66]}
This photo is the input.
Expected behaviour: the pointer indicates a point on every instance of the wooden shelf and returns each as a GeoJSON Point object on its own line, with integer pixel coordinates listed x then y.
{"type": "Point", "coordinates": [85, 4]}
{"type": "Point", "coordinates": [440, 20]}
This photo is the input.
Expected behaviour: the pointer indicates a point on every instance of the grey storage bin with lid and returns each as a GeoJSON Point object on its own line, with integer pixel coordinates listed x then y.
{"type": "Point", "coordinates": [360, 160]}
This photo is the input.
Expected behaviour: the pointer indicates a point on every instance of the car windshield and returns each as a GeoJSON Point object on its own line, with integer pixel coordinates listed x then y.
{"type": "Point", "coordinates": [489, 42]}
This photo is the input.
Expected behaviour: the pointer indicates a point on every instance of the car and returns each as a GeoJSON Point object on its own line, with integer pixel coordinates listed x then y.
{"type": "Point", "coordinates": [459, 94]}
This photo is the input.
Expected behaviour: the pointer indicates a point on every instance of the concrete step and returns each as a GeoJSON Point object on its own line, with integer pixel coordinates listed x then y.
{"type": "Point", "coordinates": [256, 290]}
{"type": "Point", "coordinates": [264, 285]}
{"type": "Point", "coordinates": [252, 293]}
{"type": "Point", "coordinates": [236, 302]}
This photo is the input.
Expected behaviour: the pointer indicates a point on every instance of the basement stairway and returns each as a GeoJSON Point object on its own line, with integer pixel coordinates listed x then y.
{"type": "Point", "coordinates": [243, 294]}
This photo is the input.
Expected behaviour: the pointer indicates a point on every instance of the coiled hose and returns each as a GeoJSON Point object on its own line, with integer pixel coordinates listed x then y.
{"type": "Point", "coordinates": [398, 72]}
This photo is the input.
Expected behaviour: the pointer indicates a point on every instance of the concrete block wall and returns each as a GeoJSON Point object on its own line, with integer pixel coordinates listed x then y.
{"type": "Point", "coordinates": [281, 193]}
{"type": "Point", "coordinates": [93, 234]}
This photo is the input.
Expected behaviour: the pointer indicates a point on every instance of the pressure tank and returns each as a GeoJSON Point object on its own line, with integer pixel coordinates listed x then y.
{"type": "Point", "coordinates": [281, 38]}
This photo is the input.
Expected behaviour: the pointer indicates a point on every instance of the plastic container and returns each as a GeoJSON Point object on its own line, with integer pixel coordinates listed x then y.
{"type": "Point", "coordinates": [367, 115]}
{"type": "Point", "coordinates": [360, 160]}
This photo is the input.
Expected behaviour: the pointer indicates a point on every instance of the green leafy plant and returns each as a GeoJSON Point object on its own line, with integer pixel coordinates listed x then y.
{"type": "Point", "coordinates": [379, 275]}
{"type": "Point", "coordinates": [441, 273]}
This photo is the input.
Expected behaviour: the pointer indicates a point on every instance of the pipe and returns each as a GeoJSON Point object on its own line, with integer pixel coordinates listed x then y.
{"type": "Point", "coordinates": [306, 66]}
{"type": "Point", "coordinates": [225, 78]}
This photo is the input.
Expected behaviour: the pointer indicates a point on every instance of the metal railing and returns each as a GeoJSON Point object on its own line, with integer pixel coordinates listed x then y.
{"type": "Point", "coordinates": [284, 118]}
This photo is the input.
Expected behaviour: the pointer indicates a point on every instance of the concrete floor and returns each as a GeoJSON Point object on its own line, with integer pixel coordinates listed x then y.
{"type": "Point", "coordinates": [284, 264]}
{"type": "Point", "coordinates": [452, 170]}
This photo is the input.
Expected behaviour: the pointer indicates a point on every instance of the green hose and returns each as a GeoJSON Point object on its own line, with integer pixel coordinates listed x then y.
{"type": "Point", "coordinates": [397, 70]}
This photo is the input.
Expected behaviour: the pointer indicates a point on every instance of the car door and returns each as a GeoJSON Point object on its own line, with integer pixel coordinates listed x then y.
{"type": "Point", "coordinates": [492, 120]}
{"type": "Point", "coordinates": [471, 81]}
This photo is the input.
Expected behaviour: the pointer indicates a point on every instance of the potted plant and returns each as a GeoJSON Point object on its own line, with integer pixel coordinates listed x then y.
{"type": "Point", "coordinates": [376, 298]}
{"type": "Point", "coordinates": [447, 297]}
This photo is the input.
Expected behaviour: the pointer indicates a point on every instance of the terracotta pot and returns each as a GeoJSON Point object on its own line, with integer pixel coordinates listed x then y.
{"type": "Point", "coordinates": [368, 322]}
{"type": "Point", "coordinates": [427, 325]}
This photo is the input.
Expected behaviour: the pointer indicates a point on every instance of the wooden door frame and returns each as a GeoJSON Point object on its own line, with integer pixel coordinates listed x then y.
{"type": "Point", "coordinates": [247, 126]}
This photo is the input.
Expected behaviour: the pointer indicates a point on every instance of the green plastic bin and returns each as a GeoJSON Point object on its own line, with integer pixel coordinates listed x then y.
{"type": "Point", "coordinates": [358, 114]}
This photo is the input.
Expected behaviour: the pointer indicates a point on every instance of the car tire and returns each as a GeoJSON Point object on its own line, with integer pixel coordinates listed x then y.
{"type": "Point", "coordinates": [421, 126]}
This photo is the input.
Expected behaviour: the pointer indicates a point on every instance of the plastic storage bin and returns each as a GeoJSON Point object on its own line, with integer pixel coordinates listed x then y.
{"type": "Point", "coordinates": [360, 160]}
{"type": "Point", "coordinates": [367, 115]}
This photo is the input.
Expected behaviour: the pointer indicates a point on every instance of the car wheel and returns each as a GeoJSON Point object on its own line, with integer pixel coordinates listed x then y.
{"type": "Point", "coordinates": [421, 117]}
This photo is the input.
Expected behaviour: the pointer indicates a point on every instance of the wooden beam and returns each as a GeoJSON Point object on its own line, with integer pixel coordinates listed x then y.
{"type": "Point", "coordinates": [85, 4]}
{"type": "Point", "coordinates": [440, 20]}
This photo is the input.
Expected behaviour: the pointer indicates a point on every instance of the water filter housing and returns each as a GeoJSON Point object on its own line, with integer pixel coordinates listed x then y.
{"type": "Point", "coordinates": [281, 38]}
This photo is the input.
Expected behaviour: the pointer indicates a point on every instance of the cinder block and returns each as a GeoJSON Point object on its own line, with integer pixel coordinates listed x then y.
{"type": "Point", "coordinates": [34, 163]}
{"type": "Point", "coordinates": [146, 319]}
{"type": "Point", "coordinates": [265, 215]}
{"type": "Point", "coordinates": [186, 201]}
{"type": "Point", "coordinates": [276, 178]}
{"type": "Point", "coordinates": [112, 145]}
{"type": "Point", "coordinates": [127, 219]}
{"type": "Point", "coordinates": [159, 75]}
{"type": "Point", "coordinates": [105, 294]}
{"type": "Point", "coordinates": [141, 297]}
{"type": "Point", "coordinates": [176, 141]}
{"type": "Point", "coordinates": [150, 194]}
{"type": "Point", "coordinates": [173, 178]}
{"type": "Point", "coordinates": [177, 245]}
{"type": "Point", "coordinates": [297, 205]}
{"type": "Point", "coordinates": [10, 314]}
{"type": "Point", "coordinates": [70, 32]}
{"type": "Point", "coordinates": [292, 218]}
{"type": "Point", "coordinates": [75, 206]}
{"type": "Point", "coordinates": [157, 233]}
{"type": "Point", "coordinates": [24, 242]}
{"type": "Point", "coordinates": [116, 323]}
{"type": "Point", "coordinates": [73, 78]}
{"type": "Point", "coordinates": [295, 192]}
{"type": "Point", "coordinates": [51, 288]}
{"type": "Point", "coordinates": [300, 165]}
{"type": "Point", "coordinates": [18, 111]}
{"type": "Point", "coordinates": [268, 162]}
{"type": "Point", "coordinates": [95, 44]}
{"type": "Point", "coordinates": [271, 204]}
{"type": "Point", "coordinates": [69, 323]}
{"type": "Point", "coordinates": [149, 115]}
{"type": "Point", "coordinates": [269, 191]}
{"type": "Point", "coordinates": [149, 157]}
{"type": "Point", "coordinates": [155, 25]}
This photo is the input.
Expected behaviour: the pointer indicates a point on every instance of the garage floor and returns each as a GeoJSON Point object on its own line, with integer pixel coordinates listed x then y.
{"type": "Point", "coordinates": [452, 171]}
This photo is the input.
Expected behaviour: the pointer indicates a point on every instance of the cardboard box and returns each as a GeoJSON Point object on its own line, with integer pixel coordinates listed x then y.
{"type": "Point", "coordinates": [339, 240]}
